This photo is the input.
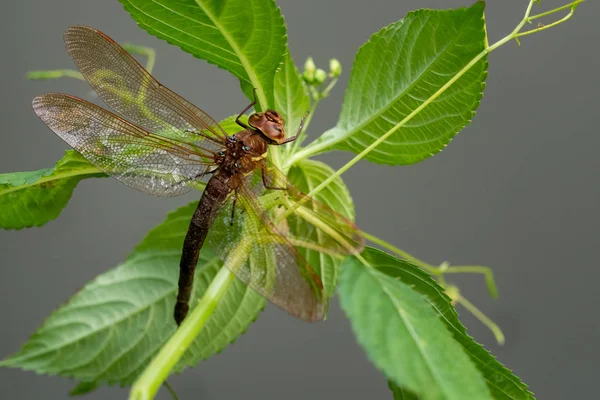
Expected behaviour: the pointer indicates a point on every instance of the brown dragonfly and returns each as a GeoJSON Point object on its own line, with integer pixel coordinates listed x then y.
{"type": "Point", "coordinates": [159, 143]}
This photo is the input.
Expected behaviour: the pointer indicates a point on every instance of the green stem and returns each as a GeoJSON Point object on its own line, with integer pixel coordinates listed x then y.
{"type": "Point", "coordinates": [491, 325]}
{"type": "Point", "coordinates": [476, 269]}
{"type": "Point", "coordinates": [147, 52]}
{"type": "Point", "coordinates": [158, 370]}
{"type": "Point", "coordinates": [309, 118]}
{"type": "Point", "coordinates": [330, 86]}
{"type": "Point", "coordinates": [572, 6]}
{"type": "Point", "coordinates": [427, 267]}
{"type": "Point", "coordinates": [54, 74]}
{"type": "Point", "coordinates": [443, 269]}
{"type": "Point", "coordinates": [544, 27]}
{"type": "Point", "coordinates": [316, 97]}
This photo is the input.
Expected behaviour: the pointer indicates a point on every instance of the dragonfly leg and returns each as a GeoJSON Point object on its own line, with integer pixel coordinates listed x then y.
{"type": "Point", "coordinates": [291, 139]}
{"type": "Point", "coordinates": [264, 179]}
{"type": "Point", "coordinates": [233, 207]}
{"type": "Point", "coordinates": [249, 106]}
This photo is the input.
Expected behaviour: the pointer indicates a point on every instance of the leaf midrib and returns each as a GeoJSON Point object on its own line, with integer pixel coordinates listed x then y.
{"type": "Point", "coordinates": [50, 178]}
{"type": "Point", "coordinates": [184, 32]}
{"type": "Point", "coordinates": [413, 335]}
{"type": "Point", "coordinates": [247, 67]}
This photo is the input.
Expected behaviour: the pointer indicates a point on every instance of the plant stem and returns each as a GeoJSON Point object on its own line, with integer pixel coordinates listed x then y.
{"type": "Point", "coordinates": [443, 269]}
{"type": "Point", "coordinates": [309, 118]}
{"type": "Point", "coordinates": [158, 370]}
{"type": "Point", "coordinates": [476, 269]}
{"type": "Point", "coordinates": [316, 97]}
{"type": "Point", "coordinates": [54, 74]}
{"type": "Point", "coordinates": [545, 14]}
{"type": "Point", "coordinates": [544, 27]}
{"type": "Point", "coordinates": [491, 325]}
{"type": "Point", "coordinates": [147, 52]}
{"type": "Point", "coordinates": [427, 267]}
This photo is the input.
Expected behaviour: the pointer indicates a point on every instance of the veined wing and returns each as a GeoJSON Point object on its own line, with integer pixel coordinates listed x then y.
{"type": "Point", "coordinates": [260, 250]}
{"type": "Point", "coordinates": [145, 161]}
{"type": "Point", "coordinates": [261, 256]}
{"type": "Point", "coordinates": [125, 86]}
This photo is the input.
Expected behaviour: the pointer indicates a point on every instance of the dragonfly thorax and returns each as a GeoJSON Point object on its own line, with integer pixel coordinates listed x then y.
{"type": "Point", "coordinates": [243, 152]}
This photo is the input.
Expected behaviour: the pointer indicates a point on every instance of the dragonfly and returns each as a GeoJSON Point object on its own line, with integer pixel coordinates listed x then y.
{"type": "Point", "coordinates": [157, 142]}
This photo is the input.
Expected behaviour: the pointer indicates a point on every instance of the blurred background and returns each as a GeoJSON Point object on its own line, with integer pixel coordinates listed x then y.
{"type": "Point", "coordinates": [516, 190]}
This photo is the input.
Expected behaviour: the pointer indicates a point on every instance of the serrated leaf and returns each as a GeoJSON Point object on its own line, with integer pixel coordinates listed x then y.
{"type": "Point", "coordinates": [394, 78]}
{"type": "Point", "coordinates": [501, 382]}
{"type": "Point", "coordinates": [403, 335]}
{"type": "Point", "coordinates": [108, 332]}
{"type": "Point", "coordinates": [306, 175]}
{"type": "Point", "coordinates": [244, 37]}
{"type": "Point", "coordinates": [291, 96]}
{"type": "Point", "coordinates": [33, 198]}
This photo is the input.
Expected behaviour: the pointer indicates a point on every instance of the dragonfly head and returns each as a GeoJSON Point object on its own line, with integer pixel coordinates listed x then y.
{"type": "Point", "coordinates": [270, 124]}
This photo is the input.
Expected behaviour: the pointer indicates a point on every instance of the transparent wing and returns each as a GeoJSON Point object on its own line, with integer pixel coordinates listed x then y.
{"type": "Point", "coordinates": [258, 248]}
{"type": "Point", "coordinates": [260, 256]}
{"type": "Point", "coordinates": [125, 86]}
{"type": "Point", "coordinates": [146, 162]}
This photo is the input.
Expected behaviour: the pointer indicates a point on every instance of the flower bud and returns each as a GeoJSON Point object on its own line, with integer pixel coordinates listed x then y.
{"type": "Point", "coordinates": [320, 76]}
{"type": "Point", "coordinates": [335, 68]}
{"type": "Point", "coordinates": [309, 70]}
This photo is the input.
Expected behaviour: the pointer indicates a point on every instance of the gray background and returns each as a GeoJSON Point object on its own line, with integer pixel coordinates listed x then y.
{"type": "Point", "coordinates": [517, 190]}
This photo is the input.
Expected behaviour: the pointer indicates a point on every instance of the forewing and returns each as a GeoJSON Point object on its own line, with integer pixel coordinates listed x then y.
{"type": "Point", "coordinates": [144, 161]}
{"type": "Point", "coordinates": [125, 86]}
{"type": "Point", "coordinates": [260, 255]}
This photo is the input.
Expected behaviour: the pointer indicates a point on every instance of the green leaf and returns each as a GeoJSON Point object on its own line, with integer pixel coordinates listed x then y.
{"type": "Point", "coordinates": [110, 330]}
{"type": "Point", "coordinates": [306, 175]}
{"type": "Point", "coordinates": [403, 335]}
{"type": "Point", "coordinates": [291, 96]}
{"type": "Point", "coordinates": [244, 37]}
{"type": "Point", "coordinates": [33, 198]}
{"type": "Point", "coordinates": [501, 382]}
{"type": "Point", "coordinates": [395, 77]}
{"type": "Point", "coordinates": [400, 393]}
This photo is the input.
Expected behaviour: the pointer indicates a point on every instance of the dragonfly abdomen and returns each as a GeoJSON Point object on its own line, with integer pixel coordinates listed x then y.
{"type": "Point", "coordinates": [215, 193]}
